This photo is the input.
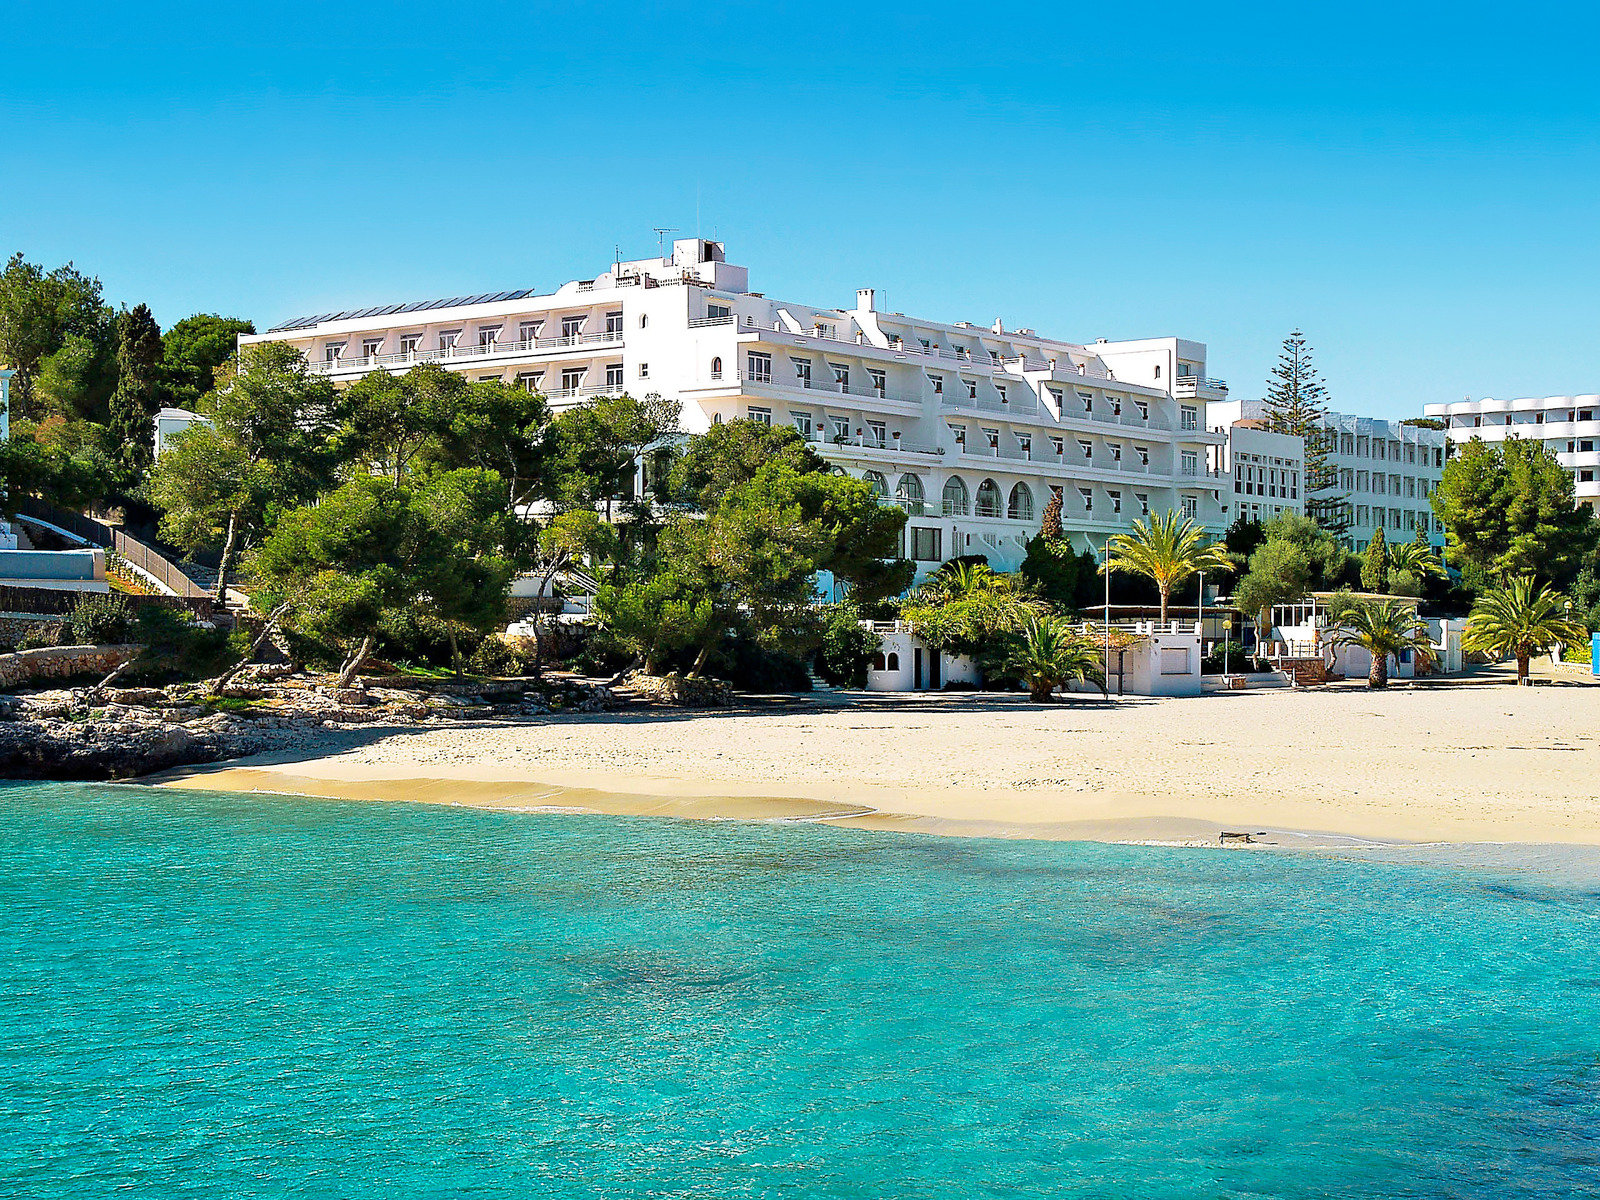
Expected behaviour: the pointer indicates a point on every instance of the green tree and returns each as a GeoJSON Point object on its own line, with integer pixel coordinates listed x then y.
{"type": "Point", "coordinates": [1296, 556]}
{"type": "Point", "coordinates": [1297, 404]}
{"type": "Point", "coordinates": [1051, 653]}
{"type": "Point", "coordinates": [1381, 627]}
{"type": "Point", "coordinates": [1522, 619]}
{"type": "Point", "coordinates": [76, 383]}
{"type": "Point", "coordinates": [38, 311]}
{"type": "Point", "coordinates": [735, 452]}
{"type": "Point", "coordinates": [596, 445]}
{"type": "Point", "coordinates": [653, 618]}
{"type": "Point", "coordinates": [1166, 549]}
{"type": "Point", "coordinates": [373, 553]}
{"type": "Point", "coordinates": [1375, 563]}
{"type": "Point", "coordinates": [1050, 521]}
{"type": "Point", "coordinates": [1508, 510]}
{"type": "Point", "coordinates": [847, 647]}
{"type": "Point", "coordinates": [969, 608]}
{"type": "Point", "coordinates": [388, 421]}
{"type": "Point", "coordinates": [193, 352]}
{"type": "Point", "coordinates": [500, 427]}
{"type": "Point", "coordinates": [138, 396]}
{"type": "Point", "coordinates": [265, 447]}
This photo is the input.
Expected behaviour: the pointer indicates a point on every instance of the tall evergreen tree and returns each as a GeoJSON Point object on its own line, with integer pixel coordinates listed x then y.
{"type": "Point", "coordinates": [1296, 404]}
{"type": "Point", "coordinates": [138, 395]}
{"type": "Point", "coordinates": [1375, 563]}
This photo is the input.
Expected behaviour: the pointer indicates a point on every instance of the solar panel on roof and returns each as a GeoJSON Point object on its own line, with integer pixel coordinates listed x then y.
{"type": "Point", "coordinates": [384, 310]}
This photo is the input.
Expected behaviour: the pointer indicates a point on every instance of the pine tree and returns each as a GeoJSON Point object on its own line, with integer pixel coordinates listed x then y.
{"type": "Point", "coordinates": [138, 396]}
{"type": "Point", "coordinates": [1296, 404]}
{"type": "Point", "coordinates": [1375, 563]}
{"type": "Point", "coordinates": [1050, 523]}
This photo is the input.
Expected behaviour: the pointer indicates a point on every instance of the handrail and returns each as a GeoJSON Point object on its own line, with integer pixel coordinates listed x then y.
{"type": "Point", "coordinates": [149, 561]}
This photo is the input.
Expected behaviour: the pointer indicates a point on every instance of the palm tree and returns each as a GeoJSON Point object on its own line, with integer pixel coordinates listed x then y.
{"type": "Point", "coordinates": [969, 605]}
{"type": "Point", "coordinates": [1167, 549]}
{"type": "Point", "coordinates": [1052, 654]}
{"type": "Point", "coordinates": [1516, 619]}
{"type": "Point", "coordinates": [1415, 557]}
{"type": "Point", "coordinates": [1381, 628]}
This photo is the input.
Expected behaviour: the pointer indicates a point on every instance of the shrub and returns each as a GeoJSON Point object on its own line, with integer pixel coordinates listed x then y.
{"type": "Point", "coordinates": [101, 620]}
{"type": "Point", "coordinates": [42, 636]}
{"type": "Point", "coordinates": [847, 649]}
{"type": "Point", "coordinates": [495, 656]}
{"type": "Point", "coordinates": [1225, 656]}
{"type": "Point", "coordinates": [177, 647]}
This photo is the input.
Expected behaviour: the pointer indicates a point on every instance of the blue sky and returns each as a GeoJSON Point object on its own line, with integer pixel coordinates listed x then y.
{"type": "Point", "coordinates": [1414, 185]}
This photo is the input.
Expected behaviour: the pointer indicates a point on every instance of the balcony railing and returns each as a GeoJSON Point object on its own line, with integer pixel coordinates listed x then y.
{"type": "Point", "coordinates": [707, 322]}
{"type": "Point", "coordinates": [341, 363]}
{"type": "Point", "coordinates": [1188, 385]}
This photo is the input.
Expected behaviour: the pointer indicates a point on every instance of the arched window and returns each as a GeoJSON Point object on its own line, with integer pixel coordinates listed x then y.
{"type": "Point", "coordinates": [1158, 370]}
{"type": "Point", "coordinates": [716, 368]}
{"type": "Point", "coordinates": [988, 499]}
{"type": "Point", "coordinates": [894, 661]}
{"type": "Point", "coordinates": [910, 494]}
{"type": "Point", "coordinates": [878, 484]}
{"type": "Point", "coordinates": [1021, 506]}
{"type": "Point", "coordinates": [644, 319]}
{"type": "Point", "coordinates": [877, 661]}
{"type": "Point", "coordinates": [955, 497]}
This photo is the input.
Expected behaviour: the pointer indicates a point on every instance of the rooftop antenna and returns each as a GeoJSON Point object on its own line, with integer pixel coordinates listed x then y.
{"type": "Point", "coordinates": [661, 233]}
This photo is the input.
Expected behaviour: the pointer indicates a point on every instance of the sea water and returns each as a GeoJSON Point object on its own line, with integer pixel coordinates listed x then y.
{"type": "Point", "coordinates": [216, 995]}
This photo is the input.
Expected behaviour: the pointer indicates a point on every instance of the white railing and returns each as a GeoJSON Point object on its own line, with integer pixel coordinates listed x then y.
{"type": "Point", "coordinates": [341, 363]}
{"type": "Point", "coordinates": [707, 322]}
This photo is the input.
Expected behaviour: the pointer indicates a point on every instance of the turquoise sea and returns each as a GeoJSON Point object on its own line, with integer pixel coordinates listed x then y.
{"type": "Point", "coordinates": [256, 996]}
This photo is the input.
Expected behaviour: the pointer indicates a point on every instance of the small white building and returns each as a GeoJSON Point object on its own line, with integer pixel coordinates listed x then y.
{"type": "Point", "coordinates": [1267, 469]}
{"type": "Point", "coordinates": [170, 422]}
{"type": "Point", "coordinates": [906, 663]}
{"type": "Point", "coordinates": [1302, 630]}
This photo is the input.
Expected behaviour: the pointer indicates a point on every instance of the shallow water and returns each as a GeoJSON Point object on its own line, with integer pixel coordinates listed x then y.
{"type": "Point", "coordinates": [243, 996]}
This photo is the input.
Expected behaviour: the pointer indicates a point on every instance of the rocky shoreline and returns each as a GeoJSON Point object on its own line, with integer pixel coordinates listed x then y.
{"type": "Point", "coordinates": [121, 733]}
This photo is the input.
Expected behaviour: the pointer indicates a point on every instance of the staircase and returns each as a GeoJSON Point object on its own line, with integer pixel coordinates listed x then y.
{"type": "Point", "coordinates": [1305, 672]}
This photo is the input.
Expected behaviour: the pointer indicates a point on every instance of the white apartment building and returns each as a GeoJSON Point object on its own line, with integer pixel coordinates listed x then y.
{"type": "Point", "coordinates": [1266, 469]}
{"type": "Point", "coordinates": [1385, 470]}
{"type": "Point", "coordinates": [1569, 426]}
{"type": "Point", "coordinates": [969, 429]}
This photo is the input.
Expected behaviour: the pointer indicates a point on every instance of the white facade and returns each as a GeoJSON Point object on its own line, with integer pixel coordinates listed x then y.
{"type": "Point", "coordinates": [1386, 471]}
{"type": "Point", "coordinates": [968, 428]}
{"type": "Point", "coordinates": [170, 422]}
{"type": "Point", "coordinates": [906, 663]}
{"type": "Point", "coordinates": [1267, 470]}
{"type": "Point", "coordinates": [1569, 426]}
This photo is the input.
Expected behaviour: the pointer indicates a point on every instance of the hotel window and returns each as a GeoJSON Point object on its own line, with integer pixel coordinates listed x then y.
{"type": "Point", "coordinates": [841, 375]}
{"type": "Point", "coordinates": [1411, 454]}
{"type": "Point", "coordinates": [877, 433]}
{"type": "Point", "coordinates": [1001, 388]}
{"type": "Point", "coordinates": [896, 342]}
{"type": "Point", "coordinates": [1380, 450]}
{"type": "Point", "coordinates": [994, 357]}
{"type": "Point", "coordinates": [763, 415]}
{"type": "Point", "coordinates": [644, 320]}
{"type": "Point", "coordinates": [1188, 417]}
{"type": "Point", "coordinates": [716, 368]}
{"type": "Point", "coordinates": [802, 422]}
{"type": "Point", "coordinates": [1088, 498]}
{"type": "Point", "coordinates": [1088, 401]}
{"type": "Point", "coordinates": [1144, 503]}
{"type": "Point", "coordinates": [1088, 450]}
{"type": "Point", "coordinates": [1025, 440]}
{"type": "Point", "coordinates": [1191, 463]}
{"type": "Point", "coordinates": [824, 331]}
{"type": "Point", "coordinates": [490, 378]}
{"type": "Point", "coordinates": [938, 384]}
{"type": "Point", "coordinates": [1059, 445]}
{"type": "Point", "coordinates": [878, 380]}
{"type": "Point", "coordinates": [571, 327]}
{"type": "Point", "coordinates": [529, 381]}
{"type": "Point", "coordinates": [1411, 487]}
{"type": "Point", "coordinates": [333, 352]}
{"type": "Point", "coordinates": [614, 322]}
{"type": "Point", "coordinates": [1116, 451]}
{"type": "Point", "coordinates": [927, 347]}
{"type": "Point", "coordinates": [991, 438]}
{"type": "Point", "coordinates": [1057, 397]}
{"type": "Point", "coordinates": [644, 370]}
{"type": "Point", "coordinates": [409, 342]}
{"type": "Point", "coordinates": [371, 347]}
{"type": "Point", "coordinates": [1144, 455]}
{"type": "Point", "coordinates": [802, 371]}
{"type": "Point", "coordinates": [448, 338]}
{"type": "Point", "coordinates": [1116, 502]}
{"type": "Point", "coordinates": [716, 312]}
{"type": "Point", "coordinates": [1191, 507]}
{"type": "Point", "coordinates": [759, 367]}
{"type": "Point", "coordinates": [572, 378]}
{"type": "Point", "coordinates": [1144, 409]}
{"type": "Point", "coordinates": [488, 335]}
{"type": "Point", "coordinates": [613, 375]}
{"type": "Point", "coordinates": [528, 332]}
{"type": "Point", "coordinates": [959, 432]}
{"type": "Point", "coordinates": [841, 429]}
{"type": "Point", "coordinates": [972, 388]}
{"type": "Point", "coordinates": [925, 544]}
{"type": "Point", "coordinates": [1116, 406]}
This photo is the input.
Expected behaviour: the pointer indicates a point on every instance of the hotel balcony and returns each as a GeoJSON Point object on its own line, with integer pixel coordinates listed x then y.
{"type": "Point", "coordinates": [1198, 387]}
{"type": "Point", "coordinates": [463, 354]}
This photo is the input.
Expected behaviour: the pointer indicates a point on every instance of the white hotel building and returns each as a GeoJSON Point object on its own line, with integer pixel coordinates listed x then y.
{"type": "Point", "coordinates": [1569, 427]}
{"type": "Point", "coordinates": [1385, 471]}
{"type": "Point", "coordinates": [969, 429]}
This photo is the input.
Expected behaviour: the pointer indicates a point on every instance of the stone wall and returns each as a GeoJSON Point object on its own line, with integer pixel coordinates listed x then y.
{"type": "Point", "coordinates": [61, 662]}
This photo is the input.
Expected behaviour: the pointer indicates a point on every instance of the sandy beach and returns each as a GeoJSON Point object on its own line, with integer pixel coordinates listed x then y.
{"type": "Point", "coordinates": [1460, 761]}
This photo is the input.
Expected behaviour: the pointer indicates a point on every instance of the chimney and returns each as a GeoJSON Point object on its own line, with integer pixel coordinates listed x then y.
{"type": "Point", "coordinates": [998, 326]}
{"type": "Point", "coordinates": [866, 299]}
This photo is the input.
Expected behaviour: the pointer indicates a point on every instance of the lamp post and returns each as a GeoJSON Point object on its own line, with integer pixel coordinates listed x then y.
{"type": "Point", "coordinates": [1107, 624]}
